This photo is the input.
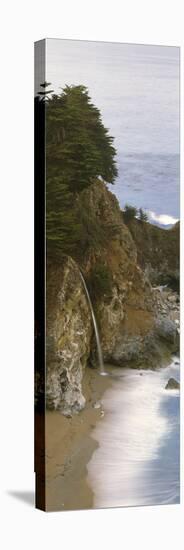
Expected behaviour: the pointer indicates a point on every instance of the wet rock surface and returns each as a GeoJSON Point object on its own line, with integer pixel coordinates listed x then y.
{"type": "Point", "coordinates": [172, 384]}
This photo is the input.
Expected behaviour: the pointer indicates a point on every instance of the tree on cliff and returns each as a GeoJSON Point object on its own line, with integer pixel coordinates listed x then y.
{"type": "Point", "coordinates": [78, 145]}
{"type": "Point", "coordinates": [129, 213]}
{"type": "Point", "coordinates": [143, 217]}
{"type": "Point", "coordinates": [79, 151]}
{"type": "Point", "coordinates": [63, 229]}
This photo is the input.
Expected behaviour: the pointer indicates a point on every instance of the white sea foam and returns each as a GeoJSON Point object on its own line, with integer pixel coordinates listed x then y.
{"type": "Point", "coordinates": [126, 470]}
{"type": "Point", "coordinates": [163, 219]}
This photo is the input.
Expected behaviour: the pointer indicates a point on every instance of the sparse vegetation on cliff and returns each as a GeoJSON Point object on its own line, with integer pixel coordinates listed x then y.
{"type": "Point", "coordinates": [129, 213]}
{"type": "Point", "coordinates": [157, 251]}
{"type": "Point", "coordinates": [100, 281]}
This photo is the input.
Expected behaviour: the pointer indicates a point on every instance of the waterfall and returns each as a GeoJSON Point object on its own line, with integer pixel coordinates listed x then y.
{"type": "Point", "coordinates": [99, 349]}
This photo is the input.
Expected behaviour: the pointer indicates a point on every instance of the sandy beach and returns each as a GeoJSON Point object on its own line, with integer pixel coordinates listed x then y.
{"type": "Point", "coordinates": [70, 447]}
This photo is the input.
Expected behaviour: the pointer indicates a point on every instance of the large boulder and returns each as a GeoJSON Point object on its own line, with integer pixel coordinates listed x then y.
{"type": "Point", "coordinates": [129, 349]}
{"type": "Point", "coordinates": [145, 340]}
{"type": "Point", "coordinates": [167, 329]}
{"type": "Point", "coordinates": [172, 384]}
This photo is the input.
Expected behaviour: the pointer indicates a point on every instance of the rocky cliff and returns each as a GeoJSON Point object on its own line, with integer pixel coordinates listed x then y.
{"type": "Point", "coordinates": [157, 251]}
{"type": "Point", "coordinates": [68, 336]}
{"type": "Point", "coordinates": [129, 312]}
{"type": "Point", "coordinates": [130, 291]}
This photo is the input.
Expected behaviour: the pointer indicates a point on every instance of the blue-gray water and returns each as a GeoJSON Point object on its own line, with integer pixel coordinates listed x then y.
{"type": "Point", "coordinates": [137, 461]}
{"type": "Point", "coordinates": [148, 180]}
{"type": "Point", "coordinates": [136, 89]}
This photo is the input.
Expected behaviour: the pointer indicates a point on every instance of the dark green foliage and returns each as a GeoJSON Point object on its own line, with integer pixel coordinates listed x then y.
{"type": "Point", "coordinates": [100, 281]}
{"type": "Point", "coordinates": [78, 151]}
{"type": "Point", "coordinates": [143, 217]}
{"type": "Point", "coordinates": [129, 213]}
{"type": "Point", "coordinates": [63, 229]}
{"type": "Point", "coordinates": [78, 144]}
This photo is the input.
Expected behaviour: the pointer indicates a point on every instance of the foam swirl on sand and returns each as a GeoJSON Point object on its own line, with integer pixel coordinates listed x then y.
{"type": "Point", "coordinates": [131, 466]}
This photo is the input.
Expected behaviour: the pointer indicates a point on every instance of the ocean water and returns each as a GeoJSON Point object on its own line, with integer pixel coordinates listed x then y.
{"type": "Point", "coordinates": [151, 182]}
{"type": "Point", "coordinates": [136, 88]}
{"type": "Point", "coordinates": [137, 460]}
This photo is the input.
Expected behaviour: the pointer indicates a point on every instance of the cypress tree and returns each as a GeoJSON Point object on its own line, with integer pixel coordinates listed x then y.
{"type": "Point", "coordinates": [79, 151]}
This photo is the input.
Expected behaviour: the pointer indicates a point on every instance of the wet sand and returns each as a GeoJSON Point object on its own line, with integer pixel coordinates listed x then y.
{"type": "Point", "coordinates": [70, 447]}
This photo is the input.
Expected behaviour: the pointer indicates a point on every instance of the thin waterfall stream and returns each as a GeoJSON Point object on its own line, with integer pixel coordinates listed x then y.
{"type": "Point", "coordinates": [99, 349]}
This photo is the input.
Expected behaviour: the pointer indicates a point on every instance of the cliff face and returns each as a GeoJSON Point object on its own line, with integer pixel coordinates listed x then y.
{"type": "Point", "coordinates": [130, 295]}
{"type": "Point", "coordinates": [68, 337]}
{"type": "Point", "coordinates": [157, 251]}
{"type": "Point", "coordinates": [129, 314]}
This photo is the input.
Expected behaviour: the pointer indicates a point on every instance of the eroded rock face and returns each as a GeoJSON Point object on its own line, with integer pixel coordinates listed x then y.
{"type": "Point", "coordinates": [131, 294]}
{"type": "Point", "coordinates": [158, 252]}
{"type": "Point", "coordinates": [69, 331]}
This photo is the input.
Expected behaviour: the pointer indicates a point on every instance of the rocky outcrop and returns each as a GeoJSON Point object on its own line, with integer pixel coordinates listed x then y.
{"type": "Point", "coordinates": [157, 252]}
{"type": "Point", "coordinates": [68, 337]}
{"type": "Point", "coordinates": [131, 293]}
{"type": "Point", "coordinates": [167, 330]}
{"type": "Point", "coordinates": [137, 323]}
{"type": "Point", "coordinates": [148, 336]}
{"type": "Point", "coordinates": [172, 384]}
{"type": "Point", "coordinates": [148, 349]}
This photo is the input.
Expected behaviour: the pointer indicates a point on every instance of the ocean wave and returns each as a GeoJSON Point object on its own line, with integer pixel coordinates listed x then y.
{"type": "Point", "coordinates": [163, 219]}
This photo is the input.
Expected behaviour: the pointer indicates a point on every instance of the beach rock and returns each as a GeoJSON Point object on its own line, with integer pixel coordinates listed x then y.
{"type": "Point", "coordinates": [172, 384]}
{"type": "Point", "coordinates": [97, 405]}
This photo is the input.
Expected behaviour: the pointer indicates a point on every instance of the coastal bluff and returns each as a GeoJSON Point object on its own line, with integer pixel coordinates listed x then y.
{"type": "Point", "coordinates": [138, 324]}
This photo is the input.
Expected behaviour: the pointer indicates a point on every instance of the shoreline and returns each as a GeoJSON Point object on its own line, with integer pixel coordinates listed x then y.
{"type": "Point", "coordinates": [70, 447]}
{"type": "Point", "coordinates": [137, 461]}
